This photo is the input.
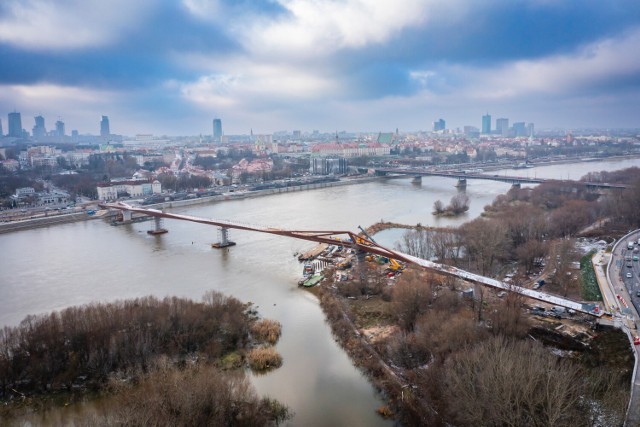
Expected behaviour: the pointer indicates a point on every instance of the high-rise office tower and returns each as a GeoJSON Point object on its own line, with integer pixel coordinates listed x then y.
{"type": "Point", "coordinates": [530, 129]}
{"type": "Point", "coordinates": [520, 129]}
{"type": "Point", "coordinates": [104, 126]}
{"type": "Point", "coordinates": [217, 130]}
{"type": "Point", "coordinates": [502, 126]}
{"type": "Point", "coordinates": [438, 125]}
{"type": "Point", "coordinates": [39, 130]}
{"type": "Point", "coordinates": [486, 123]}
{"type": "Point", "coordinates": [59, 128]}
{"type": "Point", "coordinates": [1, 133]}
{"type": "Point", "coordinates": [15, 125]}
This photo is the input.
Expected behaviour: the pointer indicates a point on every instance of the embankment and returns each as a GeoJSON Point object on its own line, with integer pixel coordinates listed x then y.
{"type": "Point", "coordinates": [46, 221]}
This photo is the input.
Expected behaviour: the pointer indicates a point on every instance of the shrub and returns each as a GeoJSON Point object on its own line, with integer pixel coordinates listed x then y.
{"type": "Point", "coordinates": [264, 359]}
{"type": "Point", "coordinates": [266, 330]}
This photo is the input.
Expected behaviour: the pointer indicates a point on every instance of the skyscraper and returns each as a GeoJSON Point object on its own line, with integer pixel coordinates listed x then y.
{"type": "Point", "coordinates": [1, 133]}
{"type": "Point", "coordinates": [15, 125]}
{"type": "Point", "coordinates": [104, 126]}
{"type": "Point", "coordinates": [438, 125]}
{"type": "Point", "coordinates": [217, 130]}
{"type": "Point", "coordinates": [39, 131]}
{"type": "Point", "coordinates": [520, 129]}
{"type": "Point", "coordinates": [59, 128]}
{"type": "Point", "coordinates": [502, 126]}
{"type": "Point", "coordinates": [486, 123]}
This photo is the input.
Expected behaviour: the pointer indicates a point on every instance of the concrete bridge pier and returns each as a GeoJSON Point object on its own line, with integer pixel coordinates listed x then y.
{"type": "Point", "coordinates": [158, 229]}
{"type": "Point", "coordinates": [515, 185]}
{"type": "Point", "coordinates": [462, 183]}
{"type": "Point", "coordinates": [223, 239]}
{"type": "Point", "coordinates": [417, 179]}
{"type": "Point", "coordinates": [127, 216]}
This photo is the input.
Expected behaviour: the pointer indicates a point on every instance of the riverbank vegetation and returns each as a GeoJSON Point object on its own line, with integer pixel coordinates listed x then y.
{"type": "Point", "coordinates": [81, 350]}
{"type": "Point", "coordinates": [445, 360]}
{"type": "Point", "coordinates": [458, 204]}
{"type": "Point", "coordinates": [534, 227]}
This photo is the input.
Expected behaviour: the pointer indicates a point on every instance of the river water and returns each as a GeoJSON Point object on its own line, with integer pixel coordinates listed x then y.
{"type": "Point", "coordinates": [52, 268]}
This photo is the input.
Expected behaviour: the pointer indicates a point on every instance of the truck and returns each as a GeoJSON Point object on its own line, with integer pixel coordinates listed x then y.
{"type": "Point", "coordinates": [630, 245]}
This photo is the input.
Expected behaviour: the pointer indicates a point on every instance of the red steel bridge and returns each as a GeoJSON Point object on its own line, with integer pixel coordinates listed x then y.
{"type": "Point", "coordinates": [366, 244]}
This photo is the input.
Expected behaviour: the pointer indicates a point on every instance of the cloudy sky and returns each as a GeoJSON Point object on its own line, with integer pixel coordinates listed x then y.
{"type": "Point", "coordinates": [170, 67]}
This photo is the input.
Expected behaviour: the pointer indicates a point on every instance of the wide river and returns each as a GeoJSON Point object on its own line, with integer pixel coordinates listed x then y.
{"type": "Point", "coordinates": [52, 268]}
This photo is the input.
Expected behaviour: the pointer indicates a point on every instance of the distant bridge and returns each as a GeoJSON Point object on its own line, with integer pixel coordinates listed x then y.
{"type": "Point", "coordinates": [348, 238]}
{"type": "Point", "coordinates": [463, 176]}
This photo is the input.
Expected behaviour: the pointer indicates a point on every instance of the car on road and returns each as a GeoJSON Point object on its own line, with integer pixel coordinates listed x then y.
{"type": "Point", "coordinates": [638, 293]}
{"type": "Point", "coordinates": [635, 257]}
{"type": "Point", "coordinates": [629, 275]}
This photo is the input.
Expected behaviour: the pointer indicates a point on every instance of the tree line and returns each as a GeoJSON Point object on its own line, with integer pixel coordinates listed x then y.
{"type": "Point", "coordinates": [85, 345]}
{"type": "Point", "coordinates": [521, 224]}
{"type": "Point", "coordinates": [467, 363]}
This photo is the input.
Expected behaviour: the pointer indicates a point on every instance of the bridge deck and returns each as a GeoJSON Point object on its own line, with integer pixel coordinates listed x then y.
{"type": "Point", "coordinates": [502, 178]}
{"type": "Point", "coordinates": [367, 245]}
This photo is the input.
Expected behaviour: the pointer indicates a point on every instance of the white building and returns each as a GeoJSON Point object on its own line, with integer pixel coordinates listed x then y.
{"type": "Point", "coordinates": [133, 188]}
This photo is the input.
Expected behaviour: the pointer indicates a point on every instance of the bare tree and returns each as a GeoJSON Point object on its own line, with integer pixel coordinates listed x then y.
{"type": "Point", "coordinates": [459, 204]}
{"type": "Point", "coordinates": [512, 383]}
{"type": "Point", "coordinates": [411, 297]}
{"type": "Point", "coordinates": [417, 243]}
{"type": "Point", "coordinates": [561, 256]}
{"type": "Point", "coordinates": [486, 242]}
{"type": "Point", "coordinates": [530, 251]}
{"type": "Point", "coordinates": [438, 207]}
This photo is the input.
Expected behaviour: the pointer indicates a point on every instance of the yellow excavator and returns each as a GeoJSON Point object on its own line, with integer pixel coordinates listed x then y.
{"type": "Point", "coordinates": [395, 266]}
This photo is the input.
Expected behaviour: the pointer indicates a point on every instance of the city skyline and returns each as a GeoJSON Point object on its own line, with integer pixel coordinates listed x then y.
{"type": "Point", "coordinates": [296, 64]}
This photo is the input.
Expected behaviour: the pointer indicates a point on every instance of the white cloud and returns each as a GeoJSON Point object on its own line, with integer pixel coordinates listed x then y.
{"type": "Point", "coordinates": [318, 27]}
{"type": "Point", "coordinates": [68, 24]}
{"type": "Point", "coordinates": [257, 82]}
{"type": "Point", "coordinates": [597, 64]}
{"type": "Point", "coordinates": [204, 9]}
{"type": "Point", "coordinates": [50, 93]}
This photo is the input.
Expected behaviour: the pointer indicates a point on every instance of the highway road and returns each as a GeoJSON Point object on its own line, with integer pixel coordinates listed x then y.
{"type": "Point", "coordinates": [626, 268]}
{"type": "Point", "coordinates": [624, 275]}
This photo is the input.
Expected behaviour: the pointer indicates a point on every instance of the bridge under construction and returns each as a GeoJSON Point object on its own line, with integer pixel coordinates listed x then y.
{"type": "Point", "coordinates": [362, 243]}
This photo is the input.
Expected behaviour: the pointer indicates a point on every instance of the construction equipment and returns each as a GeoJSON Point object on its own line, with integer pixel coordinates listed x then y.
{"type": "Point", "coordinates": [395, 266]}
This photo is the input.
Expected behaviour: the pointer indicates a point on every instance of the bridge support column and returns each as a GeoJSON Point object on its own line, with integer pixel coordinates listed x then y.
{"type": "Point", "coordinates": [223, 239]}
{"type": "Point", "coordinates": [477, 292]}
{"type": "Point", "coordinates": [158, 229]}
{"type": "Point", "coordinates": [515, 185]}
{"type": "Point", "coordinates": [126, 216]}
{"type": "Point", "coordinates": [417, 179]}
{"type": "Point", "coordinates": [462, 183]}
